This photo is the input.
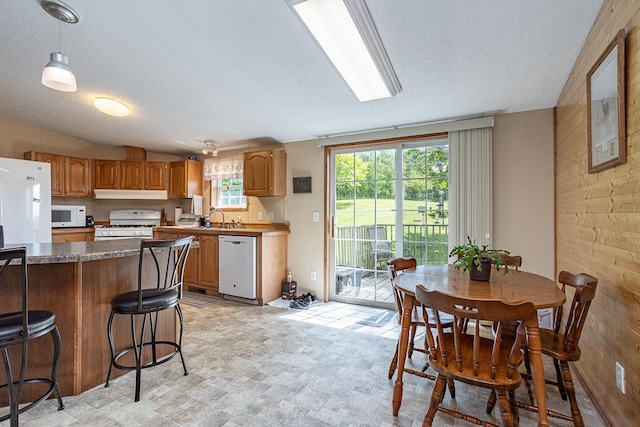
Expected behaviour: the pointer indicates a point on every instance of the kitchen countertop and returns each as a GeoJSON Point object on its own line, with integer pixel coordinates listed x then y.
{"type": "Point", "coordinates": [217, 230]}
{"type": "Point", "coordinates": [58, 253]}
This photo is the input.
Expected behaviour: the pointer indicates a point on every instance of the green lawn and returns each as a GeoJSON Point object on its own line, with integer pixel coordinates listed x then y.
{"type": "Point", "coordinates": [382, 211]}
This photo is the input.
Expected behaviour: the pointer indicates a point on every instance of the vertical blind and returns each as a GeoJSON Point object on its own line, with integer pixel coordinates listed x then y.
{"type": "Point", "coordinates": [470, 186]}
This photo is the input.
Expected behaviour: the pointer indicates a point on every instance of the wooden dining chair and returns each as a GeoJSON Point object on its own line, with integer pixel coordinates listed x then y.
{"type": "Point", "coordinates": [397, 266]}
{"type": "Point", "coordinates": [563, 347]}
{"type": "Point", "coordinates": [471, 358]}
{"type": "Point", "coordinates": [513, 262]}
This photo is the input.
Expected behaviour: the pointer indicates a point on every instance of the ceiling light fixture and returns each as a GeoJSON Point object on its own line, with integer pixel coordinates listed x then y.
{"type": "Point", "coordinates": [111, 107]}
{"type": "Point", "coordinates": [57, 74]}
{"type": "Point", "coordinates": [346, 32]}
{"type": "Point", "coordinates": [210, 147]}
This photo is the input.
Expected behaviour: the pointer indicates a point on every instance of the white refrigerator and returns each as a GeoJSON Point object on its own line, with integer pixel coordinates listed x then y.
{"type": "Point", "coordinates": [25, 201]}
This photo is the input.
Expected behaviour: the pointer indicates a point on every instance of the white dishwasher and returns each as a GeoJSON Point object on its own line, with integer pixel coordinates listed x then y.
{"type": "Point", "coordinates": [237, 266]}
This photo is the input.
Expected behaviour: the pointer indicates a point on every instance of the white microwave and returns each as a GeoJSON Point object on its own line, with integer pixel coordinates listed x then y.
{"type": "Point", "coordinates": [68, 216]}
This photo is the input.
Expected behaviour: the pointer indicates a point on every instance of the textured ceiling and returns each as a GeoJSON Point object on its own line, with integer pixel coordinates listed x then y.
{"type": "Point", "coordinates": [244, 72]}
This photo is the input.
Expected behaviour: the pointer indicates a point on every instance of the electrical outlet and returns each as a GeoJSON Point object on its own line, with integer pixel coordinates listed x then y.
{"type": "Point", "coordinates": [620, 378]}
{"type": "Point", "coordinates": [270, 216]}
{"type": "Point", "coordinates": [260, 216]}
{"type": "Point", "coordinates": [312, 276]}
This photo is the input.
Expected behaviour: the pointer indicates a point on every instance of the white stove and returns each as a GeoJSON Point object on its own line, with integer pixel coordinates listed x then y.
{"type": "Point", "coordinates": [129, 224]}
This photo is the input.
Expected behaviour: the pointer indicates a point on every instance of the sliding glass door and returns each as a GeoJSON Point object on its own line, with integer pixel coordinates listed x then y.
{"type": "Point", "coordinates": [387, 201]}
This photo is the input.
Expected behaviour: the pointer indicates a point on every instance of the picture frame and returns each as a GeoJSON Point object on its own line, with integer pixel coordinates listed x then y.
{"type": "Point", "coordinates": [606, 115]}
{"type": "Point", "coordinates": [302, 184]}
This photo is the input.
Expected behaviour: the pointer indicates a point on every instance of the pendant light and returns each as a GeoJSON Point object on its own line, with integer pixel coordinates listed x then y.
{"type": "Point", "coordinates": [57, 74]}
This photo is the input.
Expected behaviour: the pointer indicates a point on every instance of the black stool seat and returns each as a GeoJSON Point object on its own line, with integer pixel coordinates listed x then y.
{"type": "Point", "coordinates": [11, 323]}
{"type": "Point", "coordinates": [19, 328]}
{"type": "Point", "coordinates": [159, 288]}
{"type": "Point", "coordinates": [152, 300]}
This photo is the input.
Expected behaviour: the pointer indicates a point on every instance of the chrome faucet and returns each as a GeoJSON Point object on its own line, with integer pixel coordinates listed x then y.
{"type": "Point", "coordinates": [214, 210]}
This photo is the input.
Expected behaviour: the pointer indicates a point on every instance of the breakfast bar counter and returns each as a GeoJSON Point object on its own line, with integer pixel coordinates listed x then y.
{"type": "Point", "coordinates": [77, 281]}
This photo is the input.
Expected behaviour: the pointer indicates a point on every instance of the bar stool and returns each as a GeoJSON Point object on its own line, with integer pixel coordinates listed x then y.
{"type": "Point", "coordinates": [20, 327]}
{"type": "Point", "coordinates": [159, 288]}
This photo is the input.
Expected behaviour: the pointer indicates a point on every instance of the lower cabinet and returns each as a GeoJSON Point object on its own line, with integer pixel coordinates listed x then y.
{"type": "Point", "coordinates": [202, 265]}
{"type": "Point", "coordinates": [202, 268]}
{"type": "Point", "coordinates": [66, 235]}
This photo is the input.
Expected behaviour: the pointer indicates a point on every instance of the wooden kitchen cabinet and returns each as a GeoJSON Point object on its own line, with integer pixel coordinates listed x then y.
{"type": "Point", "coordinates": [155, 175]}
{"type": "Point", "coordinates": [203, 269]}
{"type": "Point", "coordinates": [265, 173]}
{"type": "Point", "coordinates": [61, 235]}
{"type": "Point", "coordinates": [202, 264]}
{"type": "Point", "coordinates": [185, 179]}
{"type": "Point", "coordinates": [57, 169]}
{"type": "Point", "coordinates": [70, 176]}
{"type": "Point", "coordinates": [107, 174]}
{"type": "Point", "coordinates": [208, 262]}
{"type": "Point", "coordinates": [131, 175]}
{"type": "Point", "coordinates": [77, 177]}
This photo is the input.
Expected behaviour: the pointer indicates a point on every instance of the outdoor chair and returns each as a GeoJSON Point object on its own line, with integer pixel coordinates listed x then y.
{"type": "Point", "coordinates": [380, 245]}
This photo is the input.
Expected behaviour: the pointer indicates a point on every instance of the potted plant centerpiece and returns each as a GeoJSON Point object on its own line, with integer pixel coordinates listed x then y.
{"type": "Point", "coordinates": [478, 259]}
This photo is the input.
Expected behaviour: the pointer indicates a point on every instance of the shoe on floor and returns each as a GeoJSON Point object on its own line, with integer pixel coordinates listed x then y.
{"type": "Point", "coordinates": [299, 305]}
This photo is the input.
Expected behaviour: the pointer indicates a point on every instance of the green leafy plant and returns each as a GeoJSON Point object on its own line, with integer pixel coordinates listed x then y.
{"type": "Point", "coordinates": [470, 254]}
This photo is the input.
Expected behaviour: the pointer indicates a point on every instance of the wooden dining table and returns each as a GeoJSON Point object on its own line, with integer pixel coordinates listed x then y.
{"type": "Point", "coordinates": [513, 287]}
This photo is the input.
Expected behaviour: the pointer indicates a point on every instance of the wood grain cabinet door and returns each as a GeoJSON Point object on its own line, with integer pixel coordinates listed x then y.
{"type": "Point", "coordinates": [106, 174]}
{"type": "Point", "coordinates": [155, 175]}
{"type": "Point", "coordinates": [177, 180]}
{"type": "Point", "coordinates": [77, 173]}
{"type": "Point", "coordinates": [193, 263]}
{"type": "Point", "coordinates": [209, 261]}
{"type": "Point", "coordinates": [57, 171]}
{"type": "Point", "coordinates": [131, 175]}
{"type": "Point", "coordinates": [257, 173]}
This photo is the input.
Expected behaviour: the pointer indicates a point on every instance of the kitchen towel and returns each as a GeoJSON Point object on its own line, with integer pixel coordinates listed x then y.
{"type": "Point", "coordinates": [196, 205]}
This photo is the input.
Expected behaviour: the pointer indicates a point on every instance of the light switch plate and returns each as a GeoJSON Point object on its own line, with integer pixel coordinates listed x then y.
{"type": "Point", "coordinates": [316, 216]}
{"type": "Point", "coordinates": [260, 216]}
{"type": "Point", "coordinates": [270, 216]}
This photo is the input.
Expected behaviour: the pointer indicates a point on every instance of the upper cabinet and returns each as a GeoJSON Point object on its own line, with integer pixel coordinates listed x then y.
{"type": "Point", "coordinates": [185, 179]}
{"type": "Point", "coordinates": [107, 174]}
{"type": "Point", "coordinates": [155, 175]}
{"type": "Point", "coordinates": [70, 176]}
{"type": "Point", "coordinates": [265, 173]}
{"type": "Point", "coordinates": [77, 177]}
{"type": "Point", "coordinates": [130, 175]}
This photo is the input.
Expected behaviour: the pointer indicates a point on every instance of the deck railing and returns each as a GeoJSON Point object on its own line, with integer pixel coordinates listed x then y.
{"type": "Point", "coordinates": [356, 245]}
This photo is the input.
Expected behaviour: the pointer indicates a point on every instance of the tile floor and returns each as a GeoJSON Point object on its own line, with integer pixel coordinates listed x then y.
{"type": "Point", "coordinates": [267, 366]}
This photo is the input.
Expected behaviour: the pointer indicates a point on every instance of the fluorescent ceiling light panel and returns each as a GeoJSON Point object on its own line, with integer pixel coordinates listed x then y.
{"type": "Point", "coordinates": [346, 32]}
{"type": "Point", "coordinates": [111, 107]}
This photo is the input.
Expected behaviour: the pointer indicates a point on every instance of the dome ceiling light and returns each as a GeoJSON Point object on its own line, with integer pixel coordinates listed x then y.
{"type": "Point", "coordinates": [111, 107]}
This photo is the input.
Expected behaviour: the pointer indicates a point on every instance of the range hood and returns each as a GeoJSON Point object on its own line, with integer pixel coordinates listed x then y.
{"type": "Point", "coordinates": [130, 194]}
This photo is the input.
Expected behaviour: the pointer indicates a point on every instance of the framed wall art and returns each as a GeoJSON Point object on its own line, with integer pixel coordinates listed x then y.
{"type": "Point", "coordinates": [302, 184]}
{"type": "Point", "coordinates": [606, 118]}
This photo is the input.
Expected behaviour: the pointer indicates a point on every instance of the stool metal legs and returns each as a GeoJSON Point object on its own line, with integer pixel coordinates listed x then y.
{"type": "Point", "coordinates": [138, 345]}
{"type": "Point", "coordinates": [15, 387]}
